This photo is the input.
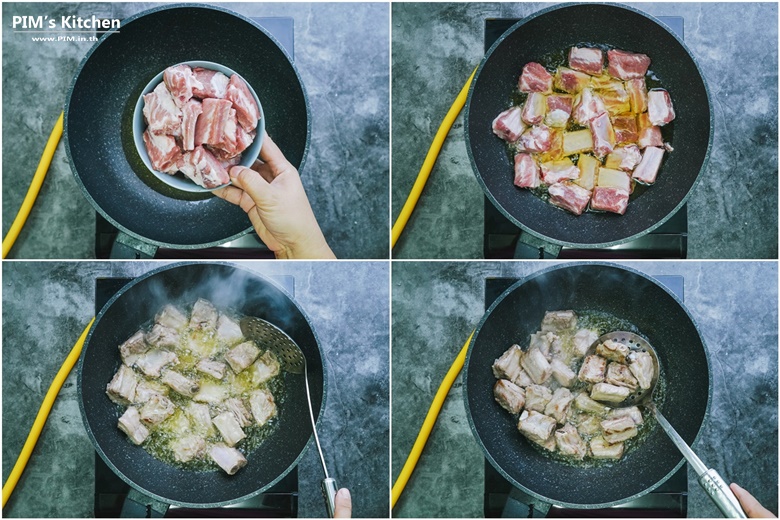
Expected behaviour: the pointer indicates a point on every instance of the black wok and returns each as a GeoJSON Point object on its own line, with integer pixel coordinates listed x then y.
{"type": "Point", "coordinates": [230, 288]}
{"type": "Point", "coordinates": [627, 294]}
{"type": "Point", "coordinates": [551, 31]}
{"type": "Point", "coordinates": [99, 110]}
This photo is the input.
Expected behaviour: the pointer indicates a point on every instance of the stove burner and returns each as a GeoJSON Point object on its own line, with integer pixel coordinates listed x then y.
{"type": "Point", "coordinates": [501, 236]}
{"type": "Point", "coordinates": [249, 246]}
{"type": "Point", "coordinates": [501, 499]}
{"type": "Point", "coordinates": [280, 501]}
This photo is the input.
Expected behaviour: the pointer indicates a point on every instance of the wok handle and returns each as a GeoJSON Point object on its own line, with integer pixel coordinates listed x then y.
{"type": "Point", "coordinates": [125, 247]}
{"type": "Point", "coordinates": [329, 490]}
{"type": "Point", "coordinates": [532, 248]}
{"type": "Point", "coordinates": [138, 505]}
{"type": "Point", "coordinates": [721, 494]}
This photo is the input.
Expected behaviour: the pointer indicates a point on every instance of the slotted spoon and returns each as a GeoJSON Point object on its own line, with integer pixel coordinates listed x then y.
{"type": "Point", "coordinates": [710, 480]}
{"type": "Point", "coordinates": [291, 358]}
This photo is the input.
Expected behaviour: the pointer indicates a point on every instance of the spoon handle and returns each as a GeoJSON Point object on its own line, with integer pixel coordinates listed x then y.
{"type": "Point", "coordinates": [710, 480]}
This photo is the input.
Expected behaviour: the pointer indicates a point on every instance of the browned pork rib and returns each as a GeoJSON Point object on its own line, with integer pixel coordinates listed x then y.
{"type": "Point", "coordinates": [154, 361]}
{"type": "Point", "coordinates": [570, 443]}
{"type": "Point", "coordinates": [229, 459]}
{"type": "Point", "coordinates": [593, 369]}
{"type": "Point", "coordinates": [609, 393]}
{"type": "Point", "coordinates": [133, 347]}
{"type": "Point", "coordinates": [180, 383]}
{"type": "Point", "coordinates": [121, 388]}
{"type": "Point", "coordinates": [157, 409]}
{"type": "Point", "coordinates": [538, 428]}
{"type": "Point", "coordinates": [130, 423]}
{"type": "Point", "coordinates": [559, 405]}
{"type": "Point", "coordinates": [241, 356]}
{"type": "Point", "coordinates": [510, 396]}
{"type": "Point", "coordinates": [537, 397]}
{"type": "Point", "coordinates": [263, 406]}
{"type": "Point", "coordinates": [536, 365]}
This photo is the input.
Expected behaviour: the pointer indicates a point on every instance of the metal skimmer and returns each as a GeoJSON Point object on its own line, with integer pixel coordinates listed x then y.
{"type": "Point", "coordinates": [710, 480]}
{"type": "Point", "coordinates": [291, 358]}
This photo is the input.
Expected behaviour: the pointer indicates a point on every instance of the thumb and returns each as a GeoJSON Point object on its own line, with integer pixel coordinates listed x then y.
{"type": "Point", "coordinates": [251, 182]}
{"type": "Point", "coordinates": [343, 504]}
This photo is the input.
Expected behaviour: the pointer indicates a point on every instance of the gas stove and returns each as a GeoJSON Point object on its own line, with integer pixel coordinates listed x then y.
{"type": "Point", "coordinates": [248, 246]}
{"type": "Point", "coordinates": [501, 499]}
{"type": "Point", "coordinates": [280, 501]}
{"type": "Point", "coordinates": [501, 236]}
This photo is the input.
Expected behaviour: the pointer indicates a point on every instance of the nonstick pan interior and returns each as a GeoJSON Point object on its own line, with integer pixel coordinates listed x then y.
{"type": "Point", "coordinates": [552, 31]}
{"type": "Point", "coordinates": [98, 118]}
{"type": "Point", "coordinates": [228, 288]}
{"type": "Point", "coordinates": [626, 294]}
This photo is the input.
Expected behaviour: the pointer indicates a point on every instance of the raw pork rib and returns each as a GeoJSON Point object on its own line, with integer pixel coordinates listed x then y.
{"type": "Point", "coordinates": [203, 168]}
{"type": "Point", "coordinates": [213, 84]}
{"type": "Point", "coordinates": [180, 82]}
{"type": "Point", "coordinates": [189, 117]}
{"type": "Point", "coordinates": [210, 128]}
{"type": "Point", "coordinates": [535, 78]}
{"type": "Point", "coordinates": [659, 107]}
{"type": "Point", "coordinates": [614, 200]}
{"type": "Point", "coordinates": [569, 196]}
{"type": "Point", "coordinates": [247, 112]}
{"type": "Point", "coordinates": [161, 113]}
{"type": "Point", "coordinates": [627, 65]}
{"type": "Point", "coordinates": [526, 171]}
{"type": "Point", "coordinates": [586, 60]}
{"type": "Point", "coordinates": [163, 152]}
{"type": "Point", "coordinates": [508, 125]}
{"type": "Point", "coordinates": [647, 170]}
{"type": "Point", "coordinates": [603, 135]}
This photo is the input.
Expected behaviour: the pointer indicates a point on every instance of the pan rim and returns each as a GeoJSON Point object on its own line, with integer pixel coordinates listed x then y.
{"type": "Point", "coordinates": [521, 225]}
{"type": "Point", "coordinates": [473, 427]}
{"type": "Point", "coordinates": [83, 62]}
{"type": "Point", "coordinates": [130, 482]}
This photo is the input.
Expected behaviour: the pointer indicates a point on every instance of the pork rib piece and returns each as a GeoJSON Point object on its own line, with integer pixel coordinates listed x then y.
{"type": "Point", "coordinates": [601, 449]}
{"type": "Point", "coordinates": [187, 448]}
{"type": "Point", "coordinates": [204, 315]}
{"type": "Point", "coordinates": [526, 171]}
{"type": "Point", "coordinates": [584, 59]}
{"type": "Point", "coordinates": [263, 406]}
{"type": "Point", "coordinates": [559, 405]}
{"type": "Point", "coordinates": [163, 152]}
{"type": "Point", "coordinates": [649, 134]}
{"type": "Point", "coordinates": [603, 135]}
{"type": "Point", "coordinates": [562, 373]}
{"type": "Point", "coordinates": [247, 112]}
{"type": "Point", "coordinates": [593, 369]}
{"type": "Point", "coordinates": [559, 108]}
{"type": "Point", "coordinates": [226, 148]}
{"type": "Point", "coordinates": [508, 365]}
{"type": "Point", "coordinates": [612, 350]}
{"type": "Point", "coordinates": [618, 429]}
{"type": "Point", "coordinates": [546, 342]}
{"type": "Point", "coordinates": [171, 317]}
{"type": "Point", "coordinates": [130, 423]}
{"type": "Point", "coordinates": [536, 365]}
{"type": "Point", "coordinates": [210, 127]}
{"type": "Point", "coordinates": [243, 139]}
{"type": "Point", "coordinates": [641, 365]}
{"type": "Point", "coordinates": [625, 129]}
{"type": "Point", "coordinates": [229, 428]}
{"type": "Point", "coordinates": [558, 171]}
{"type": "Point", "coordinates": [537, 397]}
{"type": "Point", "coordinates": [237, 406]}
{"type": "Point", "coordinates": [510, 396]}
{"type": "Point", "coordinates": [133, 347]}
{"type": "Point", "coordinates": [161, 112]}
{"type": "Point", "coordinates": [203, 168]}
{"type": "Point", "coordinates": [229, 459]}
{"type": "Point", "coordinates": [555, 321]}
{"type": "Point", "coordinates": [241, 356]}
{"type": "Point", "coordinates": [632, 412]}
{"type": "Point", "coordinates": [537, 428]}
{"type": "Point", "coordinates": [180, 82]}
{"type": "Point", "coordinates": [637, 95]}
{"type": "Point", "coordinates": [582, 341]}
{"type": "Point", "coordinates": [609, 393]}
{"type": "Point", "coordinates": [624, 158]}
{"type": "Point", "coordinates": [535, 78]}
{"type": "Point", "coordinates": [121, 388]}
{"type": "Point", "coordinates": [189, 118]}
{"type": "Point", "coordinates": [586, 404]}
{"type": "Point", "coordinates": [534, 108]}
{"type": "Point", "coordinates": [161, 336]}
{"type": "Point", "coordinates": [570, 197]}
{"type": "Point", "coordinates": [508, 125]}
{"type": "Point", "coordinates": [213, 84]}
{"type": "Point", "coordinates": [647, 170]}
{"type": "Point", "coordinates": [266, 367]}
{"type": "Point", "coordinates": [180, 383]}
{"type": "Point", "coordinates": [536, 139]}
{"type": "Point", "coordinates": [587, 106]}
{"type": "Point", "coordinates": [157, 409]}
{"type": "Point", "coordinates": [570, 443]}
{"type": "Point", "coordinates": [153, 361]}
{"type": "Point", "coordinates": [619, 374]}
{"type": "Point", "coordinates": [607, 198]}
{"type": "Point", "coordinates": [659, 107]}
{"type": "Point", "coordinates": [147, 389]}
{"type": "Point", "coordinates": [627, 65]}
{"type": "Point", "coordinates": [228, 331]}
{"type": "Point", "coordinates": [213, 368]}
{"type": "Point", "coordinates": [570, 81]}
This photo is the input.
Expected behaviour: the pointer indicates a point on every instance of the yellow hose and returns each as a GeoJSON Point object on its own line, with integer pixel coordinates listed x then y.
{"type": "Point", "coordinates": [430, 160]}
{"type": "Point", "coordinates": [35, 187]}
{"type": "Point", "coordinates": [43, 413]}
{"type": "Point", "coordinates": [430, 420]}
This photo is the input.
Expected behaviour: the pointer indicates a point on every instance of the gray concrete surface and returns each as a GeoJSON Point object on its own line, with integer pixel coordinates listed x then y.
{"type": "Point", "coordinates": [46, 306]}
{"type": "Point", "coordinates": [732, 212]}
{"type": "Point", "coordinates": [436, 305]}
{"type": "Point", "coordinates": [342, 54]}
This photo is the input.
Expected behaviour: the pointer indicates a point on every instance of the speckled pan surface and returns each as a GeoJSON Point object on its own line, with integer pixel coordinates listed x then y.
{"type": "Point", "coordinates": [551, 30]}
{"type": "Point", "coordinates": [627, 294]}
{"type": "Point", "coordinates": [98, 118]}
{"type": "Point", "coordinates": [227, 287]}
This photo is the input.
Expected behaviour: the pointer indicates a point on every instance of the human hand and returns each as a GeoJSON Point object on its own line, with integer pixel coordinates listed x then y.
{"type": "Point", "coordinates": [343, 504]}
{"type": "Point", "coordinates": [272, 195]}
{"type": "Point", "coordinates": [751, 506]}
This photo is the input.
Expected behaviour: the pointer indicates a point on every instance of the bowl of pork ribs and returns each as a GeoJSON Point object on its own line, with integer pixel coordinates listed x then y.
{"type": "Point", "coordinates": [194, 121]}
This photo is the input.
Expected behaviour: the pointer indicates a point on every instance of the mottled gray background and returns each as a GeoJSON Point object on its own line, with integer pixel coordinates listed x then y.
{"type": "Point", "coordinates": [436, 305]}
{"type": "Point", "coordinates": [47, 305]}
{"type": "Point", "coordinates": [732, 212]}
{"type": "Point", "coordinates": [342, 54]}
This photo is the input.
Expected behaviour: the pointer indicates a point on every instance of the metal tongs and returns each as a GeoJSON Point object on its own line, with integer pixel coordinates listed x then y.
{"type": "Point", "coordinates": [710, 480]}
{"type": "Point", "coordinates": [292, 360]}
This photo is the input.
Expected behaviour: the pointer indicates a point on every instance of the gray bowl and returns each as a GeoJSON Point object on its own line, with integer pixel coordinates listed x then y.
{"type": "Point", "coordinates": [179, 181]}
